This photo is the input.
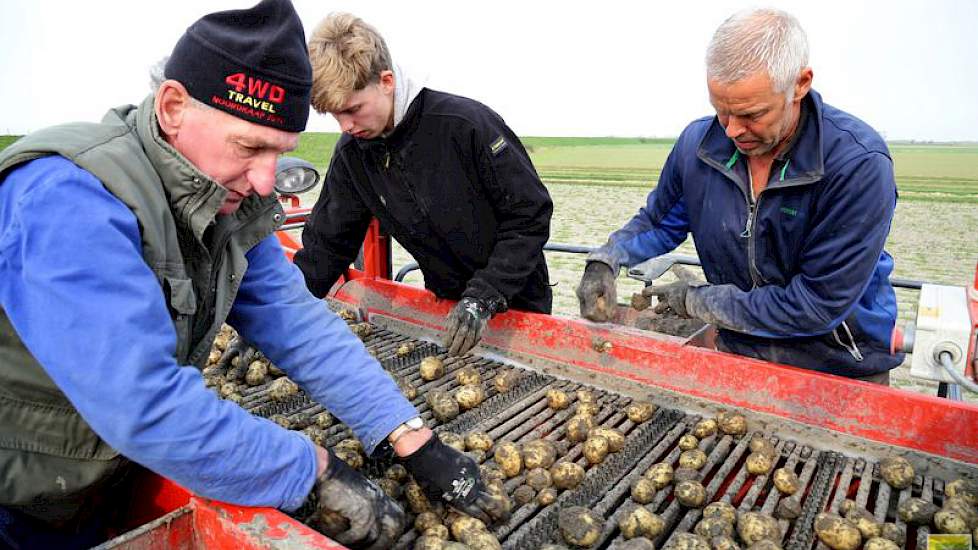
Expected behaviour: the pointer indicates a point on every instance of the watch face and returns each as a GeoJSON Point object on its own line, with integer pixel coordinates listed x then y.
{"type": "Point", "coordinates": [415, 423]}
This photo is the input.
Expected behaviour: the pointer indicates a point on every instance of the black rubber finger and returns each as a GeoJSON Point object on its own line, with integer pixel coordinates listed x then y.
{"type": "Point", "coordinates": [474, 510]}
{"type": "Point", "coordinates": [471, 339]}
{"type": "Point", "coordinates": [391, 526]}
{"type": "Point", "coordinates": [451, 333]}
{"type": "Point", "coordinates": [492, 507]}
{"type": "Point", "coordinates": [456, 342]}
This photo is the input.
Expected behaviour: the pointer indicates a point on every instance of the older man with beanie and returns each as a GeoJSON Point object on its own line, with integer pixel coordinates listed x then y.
{"type": "Point", "coordinates": [157, 228]}
{"type": "Point", "coordinates": [789, 200]}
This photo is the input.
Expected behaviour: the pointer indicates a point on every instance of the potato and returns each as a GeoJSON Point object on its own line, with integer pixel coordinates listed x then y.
{"type": "Point", "coordinates": [362, 330]}
{"type": "Point", "coordinates": [483, 541]}
{"type": "Point", "coordinates": [585, 396]}
{"type": "Point", "coordinates": [464, 527]}
{"type": "Point", "coordinates": [685, 474]}
{"type": "Point", "coordinates": [705, 428]}
{"type": "Point", "coordinates": [962, 508]}
{"type": "Point", "coordinates": [895, 533]}
{"type": "Point", "coordinates": [505, 381]}
{"type": "Point", "coordinates": [478, 441]}
{"type": "Point", "coordinates": [640, 411]}
{"type": "Point", "coordinates": [228, 388]}
{"type": "Point", "coordinates": [579, 526]}
{"type": "Point", "coordinates": [896, 471]}
{"type": "Point", "coordinates": [478, 455]}
{"type": "Point", "coordinates": [643, 490]}
{"type": "Point", "coordinates": [453, 440]}
{"type": "Point", "coordinates": [538, 479]}
{"type": "Point", "coordinates": [837, 533]}
{"type": "Point", "coordinates": [557, 399]}
{"type": "Point", "coordinates": [539, 453]}
{"type": "Point", "coordinates": [437, 531]}
{"type": "Point", "coordinates": [390, 487]}
{"type": "Point", "coordinates": [760, 444]}
{"type": "Point", "coordinates": [425, 521]}
{"type": "Point", "coordinates": [350, 456]}
{"type": "Point", "coordinates": [274, 371]}
{"type": "Point", "coordinates": [714, 527]}
{"type": "Point", "coordinates": [688, 442]}
{"type": "Point", "coordinates": [468, 375]}
{"type": "Point", "coordinates": [566, 475]}
{"type": "Point", "coordinates": [346, 315]}
{"type": "Point", "coordinates": [865, 522]}
{"type": "Point", "coordinates": [508, 459]}
{"type": "Point", "coordinates": [235, 398]}
{"type": "Point", "coordinates": [759, 463]}
{"type": "Point", "coordinates": [879, 543]}
{"type": "Point", "coordinates": [788, 508]}
{"type": "Point", "coordinates": [916, 511]}
{"type": "Point", "coordinates": [786, 481]}
{"type": "Point", "coordinates": [405, 349]}
{"type": "Point", "coordinates": [721, 510]}
{"type": "Point", "coordinates": [257, 371]}
{"type": "Point", "coordinates": [724, 543]}
{"type": "Point", "coordinates": [640, 302]}
{"type": "Point", "coordinates": [407, 388]}
{"type": "Point", "coordinates": [687, 541]}
{"type": "Point", "coordinates": [949, 521]}
{"type": "Point", "coordinates": [659, 474]}
{"type": "Point", "coordinates": [616, 441]}
{"type": "Point", "coordinates": [415, 497]}
{"type": "Point", "coordinates": [499, 503]}
{"type": "Point", "coordinates": [426, 542]}
{"type": "Point", "coordinates": [637, 543]}
{"type": "Point", "coordinates": [431, 368]}
{"type": "Point", "coordinates": [694, 459]}
{"type": "Point", "coordinates": [323, 420]}
{"type": "Point", "coordinates": [443, 407]}
{"type": "Point", "coordinates": [578, 427]}
{"type": "Point", "coordinates": [281, 420]}
{"type": "Point", "coordinates": [589, 409]}
{"type": "Point", "coordinates": [524, 494]}
{"type": "Point", "coordinates": [754, 526]}
{"type": "Point", "coordinates": [732, 423]}
{"type": "Point", "coordinates": [963, 488]}
{"type": "Point", "coordinates": [847, 504]}
{"type": "Point", "coordinates": [547, 496]}
{"type": "Point", "coordinates": [489, 473]}
{"type": "Point", "coordinates": [316, 434]}
{"type": "Point", "coordinates": [469, 397]}
{"type": "Point", "coordinates": [765, 544]}
{"type": "Point", "coordinates": [690, 494]}
{"type": "Point", "coordinates": [350, 443]}
{"type": "Point", "coordinates": [496, 486]}
{"type": "Point", "coordinates": [595, 449]}
{"type": "Point", "coordinates": [641, 523]}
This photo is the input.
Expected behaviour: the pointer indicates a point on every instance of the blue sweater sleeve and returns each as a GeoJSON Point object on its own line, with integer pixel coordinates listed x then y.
{"type": "Point", "coordinates": [76, 289]}
{"type": "Point", "coordinates": [276, 312]}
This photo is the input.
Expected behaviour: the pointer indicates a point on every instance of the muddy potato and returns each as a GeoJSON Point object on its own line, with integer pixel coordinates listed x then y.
{"type": "Point", "coordinates": [687, 541]}
{"type": "Point", "coordinates": [837, 532]}
{"type": "Point", "coordinates": [478, 455]}
{"type": "Point", "coordinates": [505, 381]}
{"type": "Point", "coordinates": [524, 494]}
{"type": "Point", "coordinates": [499, 503]}
{"type": "Point", "coordinates": [690, 494]}
{"type": "Point", "coordinates": [765, 544]}
{"type": "Point", "coordinates": [865, 522]}
{"type": "Point", "coordinates": [350, 456]}
{"type": "Point", "coordinates": [847, 504]}
{"type": "Point", "coordinates": [694, 459]}
{"type": "Point", "coordinates": [949, 521]}
{"type": "Point", "coordinates": [759, 463]}
{"type": "Point", "coordinates": [539, 453]}
{"type": "Point", "coordinates": [754, 526]}
{"type": "Point", "coordinates": [405, 349]}
{"type": "Point", "coordinates": [595, 449]}
{"type": "Point", "coordinates": [895, 533]}
{"type": "Point", "coordinates": [786, 481]}
{"type": "Point", "coordinates": [732, 423]}
{"type": "Point", "coordinates": [896, 471]}
{"type": "Point", "coordinates": [281, 420]}
{"type": "Point", "coordinates": [616, 441]}
{"type": "Point", "coordinates": [724, 543]}
{"type": "Point", "coordinates": [721, 510]}
{"type": "Point", "coordinates": [589, 409]}
{"type": "Point", "coordinates": [469, 397]}
{"type": "Point", "coordinates": [566, 475]}
{"type": "Point", "coordinates": [346, 315]}
{"type": "Point", "coordinates": [585, 396]}
{"type": "Point", "coordinates": [578, 427]}
{"type": "Point", "coordinates": [714, 527]}
{"type": "Point", "coordinates": [640, 411]}
{"type": "Point", "coordinates": [916, 511]}
{"type": "Point", "coordinates": [637, 543]}
{"type": "Point", "coordinates": [463, 526]}
{"type": "Point", "coordinates": [688, 442]}
{"type": "Point", "coordinates": [415, 497]}
{"type": "Point", "coordinates": [879, 543]}
{"type": "Point", "coordinates": [427, 542]}
{"type": "Point", "coordinates": [496, 486]}
{"type": "Point", "coordinates": [453, 440]}
{"type": "Point", "coordinates": [443, 406]}
{"type": "Point", "coordinates": [350, 443]}
{"type": "Point", "coordinates": [643, 490]}
{"type": "Point", "coordinates": [390, 487]}
{"type": "Point", "coordinates": [788, 508]}
{"type": "Point", "coordinates": [961, 507]}
{"type": "Point", "coordinates": [489, 473]}
{"type": "Point", "coordinates": [579, 526]}
{"type": "Point", "coordinates": [478, 441]}
{"type": "Point", "coordinates": [761, 444]}
{"type": "Point", "coordinates": [538, 479]}
{"type": "Point", "coordinates": [257, 371]}
{"type": "Point", "coordinates": [227, 389]}
{"type": "Point", "coordinates": [431, 368]}
{"type": "Point", "coordinates": [640, 522]}
{"type": "Point", "coordinates": [508, 459]}
{"type": "Point", "coordinates": [316, 434]}
{"type": "Point", "coordinates": [468, 375]}
{"type": "Point", "coordinates": [685, 474]}
{"type": "Point", "coordinates": [659, 474]}
{"type": "Point", "coordinates": [483, 541]}
{"type": "Point", "coordinates": [705, 428]}
{"type": "Point", "coordinates": [235, 398]}
{"type": "Point", "coordinates": [547, 496]}
{"type": "Point", "coordinates": [425, 521]}
{"type": "Point", "coordinates": [963, 488]}
{"type": "Point", "coordinates": [282, 388]}
{"type": "Point", "coordinates": [557, 399]}
{"type": "Point", "coordinates": [553, 547]}
{"type": "Point", "coordinates": [438, 531]}
{"type": "Point", "coordinates": [640, 302]}
{"type": "Point", "coordinates": [362, 330]}
{"type": "Point", "coordinates": [407, 388]}
{"type": "Point", "coordinates": [323, 420]}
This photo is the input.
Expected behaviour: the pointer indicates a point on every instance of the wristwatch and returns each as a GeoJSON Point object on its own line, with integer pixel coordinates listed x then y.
{"type": "Point", "coordinates": [412, 425]}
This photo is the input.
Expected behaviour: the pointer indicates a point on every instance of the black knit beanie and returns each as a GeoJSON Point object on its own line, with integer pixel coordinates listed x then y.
{"type": "Point", "coordinates": [250, 63]}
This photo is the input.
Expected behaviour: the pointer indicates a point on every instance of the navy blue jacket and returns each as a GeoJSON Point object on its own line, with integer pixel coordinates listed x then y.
{"type": "Point", "coordinates": [798, 276]}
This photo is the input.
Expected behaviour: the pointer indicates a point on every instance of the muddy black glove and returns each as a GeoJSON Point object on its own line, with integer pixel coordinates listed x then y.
{"type": "Point", "coordinates": [465, 325]}
{"type": "Point", "coordinates": [444, 472]}
{"type": "Point", "coordinates": [597, 293]}
{"type": "Point", "coordinates": [671, 296]}
{"type": "Point", "coordinates": [353, 510]}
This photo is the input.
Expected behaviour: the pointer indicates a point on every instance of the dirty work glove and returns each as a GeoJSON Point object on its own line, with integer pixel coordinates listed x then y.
{"type": "Point", "coordinates": [465, 325]}
{"type": "Point", "coordinates": [671, 296]}
{"type": "Point", "coordinates": [597, 293]}
{"type": "Point", "coordinates": [353, 510]}
{"type": "Point", "coordinates": [444, 472]}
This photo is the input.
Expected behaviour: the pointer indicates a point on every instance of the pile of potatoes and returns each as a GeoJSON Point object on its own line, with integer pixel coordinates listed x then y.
{"type": "Point", "coordinates": [228, 375]}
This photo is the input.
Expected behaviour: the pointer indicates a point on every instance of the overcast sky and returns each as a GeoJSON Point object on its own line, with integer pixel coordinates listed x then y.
{"type": "Point", "coordinates": [597, 68]}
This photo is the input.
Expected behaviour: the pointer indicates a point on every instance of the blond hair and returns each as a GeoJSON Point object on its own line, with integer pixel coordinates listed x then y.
{"type": "Point", "coordinates": [346, 55]}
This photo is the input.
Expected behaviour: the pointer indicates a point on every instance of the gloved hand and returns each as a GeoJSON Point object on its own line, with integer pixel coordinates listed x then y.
{"type": "Point", "coordinates": [597, 293]}
{"type": "Point", "coordinates": [671, 296]}
{"type": "Point", "coordinates": [353, 510]}
{"type": "Point", "coordinates": [465, 325]}
{"type": "Point", "coordinates": [444, 472]}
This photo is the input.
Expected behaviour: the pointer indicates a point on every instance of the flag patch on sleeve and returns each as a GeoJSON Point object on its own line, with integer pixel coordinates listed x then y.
{"type": "Point", "coordinates": [498, 145]}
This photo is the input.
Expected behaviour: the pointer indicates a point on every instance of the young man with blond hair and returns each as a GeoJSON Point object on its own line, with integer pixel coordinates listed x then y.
{"type": "Point", "coordinates": [444, 175]}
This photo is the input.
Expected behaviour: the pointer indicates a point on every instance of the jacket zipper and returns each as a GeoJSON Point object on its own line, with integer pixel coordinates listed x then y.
{"type": "Point", "coordinates": [748, 233]}
{"type": "Point", "coordinates": [397, 174]}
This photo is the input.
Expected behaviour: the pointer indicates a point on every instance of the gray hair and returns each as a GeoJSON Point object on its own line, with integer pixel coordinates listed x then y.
{"type": "Point", "coordinates": [157, 76]}
{"type": "Point", "coordinates": [758, 39]}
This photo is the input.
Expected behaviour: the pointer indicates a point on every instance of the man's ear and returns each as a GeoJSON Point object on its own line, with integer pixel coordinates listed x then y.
{"type": "Point", "coordinates": [172, 103]}
{"type": "Point", "coordinates": [387, 82]}
{"type": "Point", "coordinates": [803, 84]}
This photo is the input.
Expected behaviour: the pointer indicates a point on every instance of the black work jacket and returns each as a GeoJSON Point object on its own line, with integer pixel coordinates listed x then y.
{"type": "Point", "coordinates": [456, 188]}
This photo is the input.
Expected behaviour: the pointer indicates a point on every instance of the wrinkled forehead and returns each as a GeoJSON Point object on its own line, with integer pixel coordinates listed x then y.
{"type": "Point", "coordinates": [251, 134]}
{"type": "Point", "coordinates": [755, 89]}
